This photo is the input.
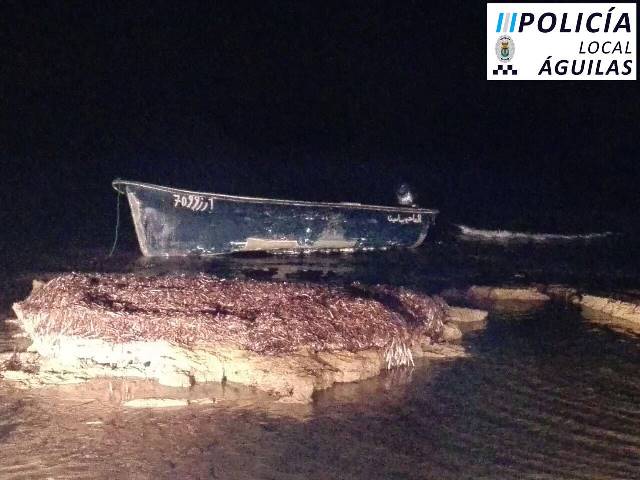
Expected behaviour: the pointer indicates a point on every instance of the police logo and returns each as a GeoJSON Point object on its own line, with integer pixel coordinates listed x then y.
{"type": "Point", "coordinates": [505, 48]}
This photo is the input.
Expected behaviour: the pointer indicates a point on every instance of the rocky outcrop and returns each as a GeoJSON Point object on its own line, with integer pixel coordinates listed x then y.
{"type": "Point", "coordinates": [628, 311]}
{"type": "Point", "coordinates": [466, 315]}
{"type": "Point", "coordinates": [451, 333]}
{"type": "Point", "coordinates": [441, 351]}
{"type": "Point", "coordinates": [289, 378]}
{"type": "Point", "coordinates": [529, 294]}
{"type": "Point", "coordinates": [286, 339]}
{"type": "Point", "coordinates": [165, 402]}
{"type": "Point", "coordinates": [561, 292]}
{"type": "Point", "coordinates": [483, 294]}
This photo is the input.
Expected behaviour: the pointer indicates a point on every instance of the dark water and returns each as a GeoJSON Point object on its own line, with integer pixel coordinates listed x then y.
{"type": "Point", "coordinates": [544, 394]}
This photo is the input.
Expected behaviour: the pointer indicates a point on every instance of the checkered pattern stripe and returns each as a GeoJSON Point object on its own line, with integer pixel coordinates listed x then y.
{"type": "Point", "coordinates": [505, 69]}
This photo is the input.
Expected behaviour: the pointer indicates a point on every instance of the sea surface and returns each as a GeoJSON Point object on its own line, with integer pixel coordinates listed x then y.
{"type": "Point", "coordinates": [545, 393]}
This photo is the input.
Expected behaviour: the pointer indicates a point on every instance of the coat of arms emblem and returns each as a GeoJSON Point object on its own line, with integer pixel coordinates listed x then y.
{"type": "Point", "coordinates": [505, 48]}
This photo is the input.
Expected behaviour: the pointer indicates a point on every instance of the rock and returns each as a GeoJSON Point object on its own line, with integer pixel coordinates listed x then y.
{"type": "Point", "coordinates": [156, 403]}
{"type": "Point", "coordinates": [352, 366]}
{"type": "Point", "coordinates": [37, 285]}
{"type": "Point", "coordinates": [443, 351]}
{"type": "Point", "coordinates": [495, 296]}
{"type": "Point", "coordinates": [286, 339]}
{"type": "Point", "coordinates": [561, 292]}
{"type": "Point", "coordinates": [22, 357]}
{"type": "Point", "coordinates": [451, 333]}
{"type": "Point", "coordinates": [466, 315]}
{"type": "Point", "coordinates": [614, 323]}
{"type": "Point", "coordinates": [288, 378]}
{"type": "Point", "coordinates": [627, 311]}
{"type": "Point", "coordinates": [202, 401]}
{"type": "Point", "coordinates": [42, 378]}
{"type": "Point", "coordinates": [165, 402]}
{"type": "Point", "coordinates": [530, 294]}
{"type": "Point", "coordinates": [18, 362]}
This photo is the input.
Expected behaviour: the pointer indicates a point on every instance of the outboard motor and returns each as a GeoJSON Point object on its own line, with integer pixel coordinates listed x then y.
{"type": "Point", "coordinates": [404, 195]}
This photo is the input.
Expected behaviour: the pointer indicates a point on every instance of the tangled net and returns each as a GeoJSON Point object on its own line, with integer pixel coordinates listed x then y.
{"type": "Point", "coordinates": [263, 317]}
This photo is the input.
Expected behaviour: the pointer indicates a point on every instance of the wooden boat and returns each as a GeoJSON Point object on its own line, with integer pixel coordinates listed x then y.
{"type": "Point", "coordinates": [175, 222]}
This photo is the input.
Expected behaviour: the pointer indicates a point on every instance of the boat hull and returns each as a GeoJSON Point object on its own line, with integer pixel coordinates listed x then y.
{"type": "Point", "coordinates": [175, 222]}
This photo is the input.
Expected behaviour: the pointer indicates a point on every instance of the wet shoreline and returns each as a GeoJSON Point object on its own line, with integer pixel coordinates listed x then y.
{"type": "Point", "coordinates": [544, 393]}
{"type": "Point", "coordinates": [515, 409]}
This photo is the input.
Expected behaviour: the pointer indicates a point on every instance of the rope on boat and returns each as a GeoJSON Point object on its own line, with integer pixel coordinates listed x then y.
{"type": "Point", "coordinates": [115, 237]}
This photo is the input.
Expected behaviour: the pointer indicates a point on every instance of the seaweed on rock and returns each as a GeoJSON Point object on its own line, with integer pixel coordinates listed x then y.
{"type": "Point", "coordinates": [262, 317]}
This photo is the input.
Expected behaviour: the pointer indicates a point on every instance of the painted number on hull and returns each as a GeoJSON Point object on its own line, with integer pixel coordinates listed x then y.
{"type": "Point", "coordinates": [196, 203]}
{"type": "Point", "coordinates": [413, 218]}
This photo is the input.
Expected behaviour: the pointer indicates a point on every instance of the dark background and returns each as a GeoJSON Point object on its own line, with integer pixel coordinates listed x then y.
{"type": "Point", "coordinates": [284, 99]}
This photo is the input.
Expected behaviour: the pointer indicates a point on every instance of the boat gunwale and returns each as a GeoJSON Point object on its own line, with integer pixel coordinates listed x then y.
{"type": "Point", "coordinates": [273, 201]}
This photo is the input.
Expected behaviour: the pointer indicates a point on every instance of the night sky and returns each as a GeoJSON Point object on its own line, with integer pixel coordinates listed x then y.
{"type": "Point", "coordinates": [326, 102]}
